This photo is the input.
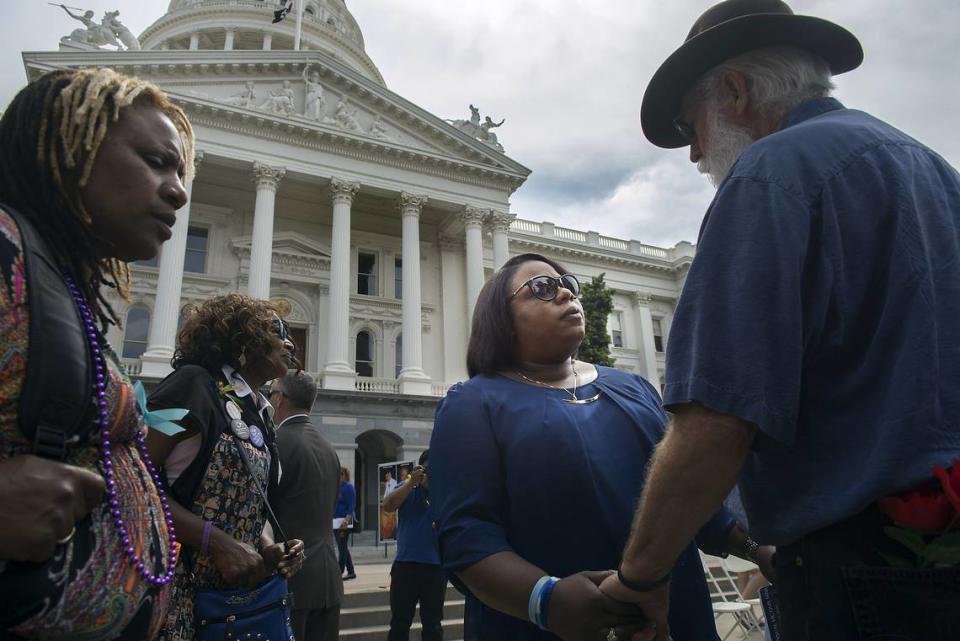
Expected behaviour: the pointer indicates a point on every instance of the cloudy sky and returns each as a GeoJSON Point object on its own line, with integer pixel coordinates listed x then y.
{"type": "Point", "coordinates": [568, 75]}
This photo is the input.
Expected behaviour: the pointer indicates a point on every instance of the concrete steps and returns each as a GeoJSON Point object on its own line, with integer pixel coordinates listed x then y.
{"type": "Point", "coordinates": [365, 616]}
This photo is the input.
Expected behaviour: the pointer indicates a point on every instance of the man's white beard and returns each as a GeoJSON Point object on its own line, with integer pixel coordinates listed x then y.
{"type": "Point", "coordinates": [727, 143]}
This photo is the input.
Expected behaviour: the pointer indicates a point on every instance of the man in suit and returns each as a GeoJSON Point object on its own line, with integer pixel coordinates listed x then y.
{"type": "Point", "coordinates": [305, 504]}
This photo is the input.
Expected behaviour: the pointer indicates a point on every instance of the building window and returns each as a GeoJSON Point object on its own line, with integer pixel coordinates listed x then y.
{"type": "Point", "coordinates": [615, 327]}
{"type": "Point", "coordinates": [364, 354]}
{"type": "Point", "coordinates": [398, 278]}
{"type": "Point", "coordinates": [367, 274]}
{"type": "Point", "coordinates": [399, 355]}
{"type": "Point", "coordinates": [135, 333]}
{"type": "Point", "coordinates": [195, 259]}
{"type": "Point", "coordinates": [657, 335]}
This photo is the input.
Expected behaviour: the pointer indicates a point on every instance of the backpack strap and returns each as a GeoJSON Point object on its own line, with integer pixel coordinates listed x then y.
{"type": "Point", "coordinates": [55, 409]}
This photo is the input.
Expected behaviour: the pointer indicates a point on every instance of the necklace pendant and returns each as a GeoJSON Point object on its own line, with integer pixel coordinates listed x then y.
{"type": "Point", "coordinates": [582, 401]}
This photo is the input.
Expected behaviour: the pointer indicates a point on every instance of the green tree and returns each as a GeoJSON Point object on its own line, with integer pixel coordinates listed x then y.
{"type": "Point", "coordinates": [597, 300]}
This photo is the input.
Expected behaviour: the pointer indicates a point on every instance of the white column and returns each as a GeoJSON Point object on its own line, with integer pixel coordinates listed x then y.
{"type": "Point", "coordinates": [648, 352]}
{"type": "Point", "coordinates": [337, 373]}
{"type": "Point", "coordinates": [261, 247]}
{"type": "Point", "coordinates": [473, 225]}
{"type": "Point", "coordinates": [499, 226]}
{"type": "Point", "coordinates": [228, 39]}
{"type": "Point", "coordinates": [413, 380]}
{"type": "Point", "coordinates": [267, 41]}
{"type": "Point", "coordinates": [454, 299]}
{"type": "Point", "coordinates": [166, 308]}
{"type": "Point", "coordinates": [194, 41]}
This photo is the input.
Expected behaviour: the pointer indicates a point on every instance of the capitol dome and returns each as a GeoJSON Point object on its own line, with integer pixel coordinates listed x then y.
{"type": "Point", "coordinates": [328, 26]}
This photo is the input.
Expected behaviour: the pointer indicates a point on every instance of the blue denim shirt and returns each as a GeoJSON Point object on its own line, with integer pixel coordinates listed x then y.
{"type": "Point", "coordinates": [823, 306]}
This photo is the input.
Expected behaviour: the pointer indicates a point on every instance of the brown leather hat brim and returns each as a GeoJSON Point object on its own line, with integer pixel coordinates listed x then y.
{"type": "Point", "coordinates": [661, 101]}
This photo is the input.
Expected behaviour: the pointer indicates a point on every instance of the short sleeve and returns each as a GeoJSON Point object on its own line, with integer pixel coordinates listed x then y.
{"type": "Point", "coordinates": [736, 342]}
{"type": "Point", "coordinates": [466, 484]}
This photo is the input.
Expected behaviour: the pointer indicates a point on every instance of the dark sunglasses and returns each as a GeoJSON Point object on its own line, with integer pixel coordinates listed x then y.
{"type": "Point", "coordinates": [546, 287]}
{"type": "Point", "coordinates": [685, 129]}
{"type": "Point", "coordinates": [280, 328]}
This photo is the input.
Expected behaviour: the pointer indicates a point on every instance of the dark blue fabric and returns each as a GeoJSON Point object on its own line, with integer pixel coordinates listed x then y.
{"type": "Point", "coordinates": [513, 468]}
{"type": "Point", "coordinates": [823, 306]}
{"type": "Point", "coordinates": [346, 501]}
{"type": "Point", "coordinates": [416, 538]}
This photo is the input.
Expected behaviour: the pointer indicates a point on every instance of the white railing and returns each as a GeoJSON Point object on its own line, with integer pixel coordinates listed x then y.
{"type": "Point", "coordinates": [525, 225]}
{"type": "Point", "coordinates": [570, 234]}
{"type": "Point", "coordinates": [615, 243]}
{"type": "Point", "coordinates": [377, 385]}
{"type": "Point", "coordinates": [654, 252]}
{"type": "Point", "coordinates": [439, 389]}
{"type": "Point", "coordinates": [132, 365]}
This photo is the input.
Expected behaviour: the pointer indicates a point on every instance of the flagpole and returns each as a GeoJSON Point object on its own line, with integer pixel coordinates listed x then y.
{"type": "Point", "coordinates": [296, 40]}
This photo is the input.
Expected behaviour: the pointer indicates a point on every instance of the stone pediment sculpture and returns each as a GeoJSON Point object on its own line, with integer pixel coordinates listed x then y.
{"type": "Point", "coordinates": [109, 33]}
{"type": "Point", "coordinates": [280, 101]}
{"type": "Point", "coordinates": [245, 98]}
{"type": "Point", "coordinates": [479, 130]}
{"type": "Point", "coordinates": [313, 102]}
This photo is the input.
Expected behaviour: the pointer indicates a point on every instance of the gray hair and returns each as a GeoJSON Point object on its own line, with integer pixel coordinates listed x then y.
{"type": "Point", "coordinates": [299, 387]}
{"type": "Point", "coordinates": [780, 79]}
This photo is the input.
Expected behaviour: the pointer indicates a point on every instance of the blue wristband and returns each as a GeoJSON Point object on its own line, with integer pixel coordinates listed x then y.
{"type": "Point", "coordinates": [534, 602]}
{"type": "Point", "coordinates": [545, 593]}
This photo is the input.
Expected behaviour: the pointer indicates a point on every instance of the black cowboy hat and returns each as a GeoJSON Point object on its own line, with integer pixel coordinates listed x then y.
{"type": "Point", "coordinates": [729, 29]}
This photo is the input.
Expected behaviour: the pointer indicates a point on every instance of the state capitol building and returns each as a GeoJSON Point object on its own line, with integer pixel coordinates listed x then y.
{"type": "Point", "coordinates": [373, 219]}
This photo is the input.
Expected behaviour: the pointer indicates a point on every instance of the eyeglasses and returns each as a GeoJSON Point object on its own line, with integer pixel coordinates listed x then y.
{"type": "Point", "coordinates": [685, 129]}
{"type": "Point", "coordinates": [280, 328]}
{"type": "Point", "coordinates": [546, 287]}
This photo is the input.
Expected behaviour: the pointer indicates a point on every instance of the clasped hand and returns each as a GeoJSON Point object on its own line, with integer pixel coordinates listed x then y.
{"type": "Point", "coordinates": [579, 611]}
{"type": "Point", "coordinates": [242, 566]}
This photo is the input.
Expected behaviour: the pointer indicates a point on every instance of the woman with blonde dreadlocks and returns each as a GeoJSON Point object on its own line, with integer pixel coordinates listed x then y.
{"type": "Point", "coordinates": [92, 165]}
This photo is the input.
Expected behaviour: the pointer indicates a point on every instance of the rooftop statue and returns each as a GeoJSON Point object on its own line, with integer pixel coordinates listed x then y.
{"type": "Point", "coordinates": [110, 32]}
{"type": "Point", "coordinates": [478, 130]}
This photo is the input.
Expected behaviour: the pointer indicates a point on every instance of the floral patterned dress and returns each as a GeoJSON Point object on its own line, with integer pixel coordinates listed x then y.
{"type": "Point", "coordinates": [89, 590]}
{"type": "Point", "coordinates": [222, 490]}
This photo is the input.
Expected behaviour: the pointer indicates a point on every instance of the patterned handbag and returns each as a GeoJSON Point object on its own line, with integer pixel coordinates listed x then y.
{"type": "Point", "coordinates": [260, 614]}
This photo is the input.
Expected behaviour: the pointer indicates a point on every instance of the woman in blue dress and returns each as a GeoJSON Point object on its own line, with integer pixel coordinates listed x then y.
{"type": "Point", "coordinates": [535, 473]}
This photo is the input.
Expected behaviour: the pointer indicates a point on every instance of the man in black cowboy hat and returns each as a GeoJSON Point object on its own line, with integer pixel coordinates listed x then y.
{"type": "Point", "coordinates": [814, 351]}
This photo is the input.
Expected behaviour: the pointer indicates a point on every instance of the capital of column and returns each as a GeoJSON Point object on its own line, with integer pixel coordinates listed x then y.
{"type": "Point", "coordinates": [411, 204]}
{"type": "Point", "coordinates": [642, 298]}
{"type": "Point", "coordinates": [343, 191]}
{"type": "Point", "coordinates": [267, 176]}
{"type": "Point", "coordinates": [473, 216]}
{"type": "Point", "coordinates": [500, 221]}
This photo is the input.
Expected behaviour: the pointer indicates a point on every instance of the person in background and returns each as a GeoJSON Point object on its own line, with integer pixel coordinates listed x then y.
{"type": "Point", "coordinates": [389, 483]}
{"type": "Point", "coordinates": [304, 501]}
{"type": "Point", "coordinates": [92, 166]}
{"type": "Point", "coordinates": [228, 348]}
{"type": "Point", "coordinates": [536, 465]}
{"type": "Point", "coordinates": [346, 508]}
{"type": "Point", "coordinates": [814, 349]}
{"type": "Point", "coordinates": [416, 575]}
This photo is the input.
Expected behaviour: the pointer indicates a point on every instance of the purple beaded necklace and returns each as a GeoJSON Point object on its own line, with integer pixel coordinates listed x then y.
{"type": "Point", "coordinates": [103, 422]}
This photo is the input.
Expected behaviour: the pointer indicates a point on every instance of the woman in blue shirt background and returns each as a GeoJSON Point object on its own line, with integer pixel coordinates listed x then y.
{"type": "Point", "coordinates": [345, 509]}
{"type": "Point", "coordinates": [535, 473]}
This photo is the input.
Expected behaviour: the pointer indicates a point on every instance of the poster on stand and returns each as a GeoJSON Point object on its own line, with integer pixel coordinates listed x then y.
{"type": "Point", "coordinates": [390, 475]}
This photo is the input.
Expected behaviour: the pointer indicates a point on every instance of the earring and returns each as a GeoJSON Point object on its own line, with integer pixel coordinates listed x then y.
{"type": "Point", "coordinates": [243, 358]}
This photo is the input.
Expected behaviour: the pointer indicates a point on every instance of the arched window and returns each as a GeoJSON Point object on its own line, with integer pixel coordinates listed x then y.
{"type": "Point", "coordinates": [135, 332]}
{"type": "Point", "coordinates": [365, 352]}
{"type": "Point", "coordinates": [399, 354]}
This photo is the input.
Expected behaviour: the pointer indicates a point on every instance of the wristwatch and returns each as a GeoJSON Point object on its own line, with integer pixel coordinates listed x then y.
{"type": "Point", "coordinates": [752, 547]}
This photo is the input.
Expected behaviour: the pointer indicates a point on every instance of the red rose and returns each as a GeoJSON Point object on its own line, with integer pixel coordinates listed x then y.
{"type": "Point", "coordinates": [930, 508]}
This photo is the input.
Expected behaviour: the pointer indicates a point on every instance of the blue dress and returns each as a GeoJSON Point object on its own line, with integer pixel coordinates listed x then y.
{"type": "Point", "coordinates": [514, 468]}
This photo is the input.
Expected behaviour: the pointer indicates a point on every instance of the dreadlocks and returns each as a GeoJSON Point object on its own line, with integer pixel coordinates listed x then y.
{"type": "Point", "coordinates": [49, 138]}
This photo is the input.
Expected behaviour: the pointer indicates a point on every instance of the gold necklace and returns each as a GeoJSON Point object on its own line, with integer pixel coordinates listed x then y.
{"type": "Point", "coordinates": [573, 400]}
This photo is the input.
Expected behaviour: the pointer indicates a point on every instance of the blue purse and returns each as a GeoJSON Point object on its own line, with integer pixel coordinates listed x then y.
{"type": "Point", "coordinates": [260, 614]}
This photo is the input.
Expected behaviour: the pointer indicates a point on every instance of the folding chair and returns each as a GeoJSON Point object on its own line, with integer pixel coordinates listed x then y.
{"type": "Point", "coordinates": [726, 598]}
{"type": "Point", "coordinates": [736, 565]}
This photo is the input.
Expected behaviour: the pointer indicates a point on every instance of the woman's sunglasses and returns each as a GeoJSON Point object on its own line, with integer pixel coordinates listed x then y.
{"type": "Point", "coordinates": [280, 328]}
{"type": "Point", "coordinates": [546, 287]}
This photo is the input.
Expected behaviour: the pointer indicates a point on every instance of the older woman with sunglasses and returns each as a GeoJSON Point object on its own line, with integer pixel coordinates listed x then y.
{"type": "Point", "coordinates": [229, 347]}
{"type": "Point", "coordinates": [537, 464]}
